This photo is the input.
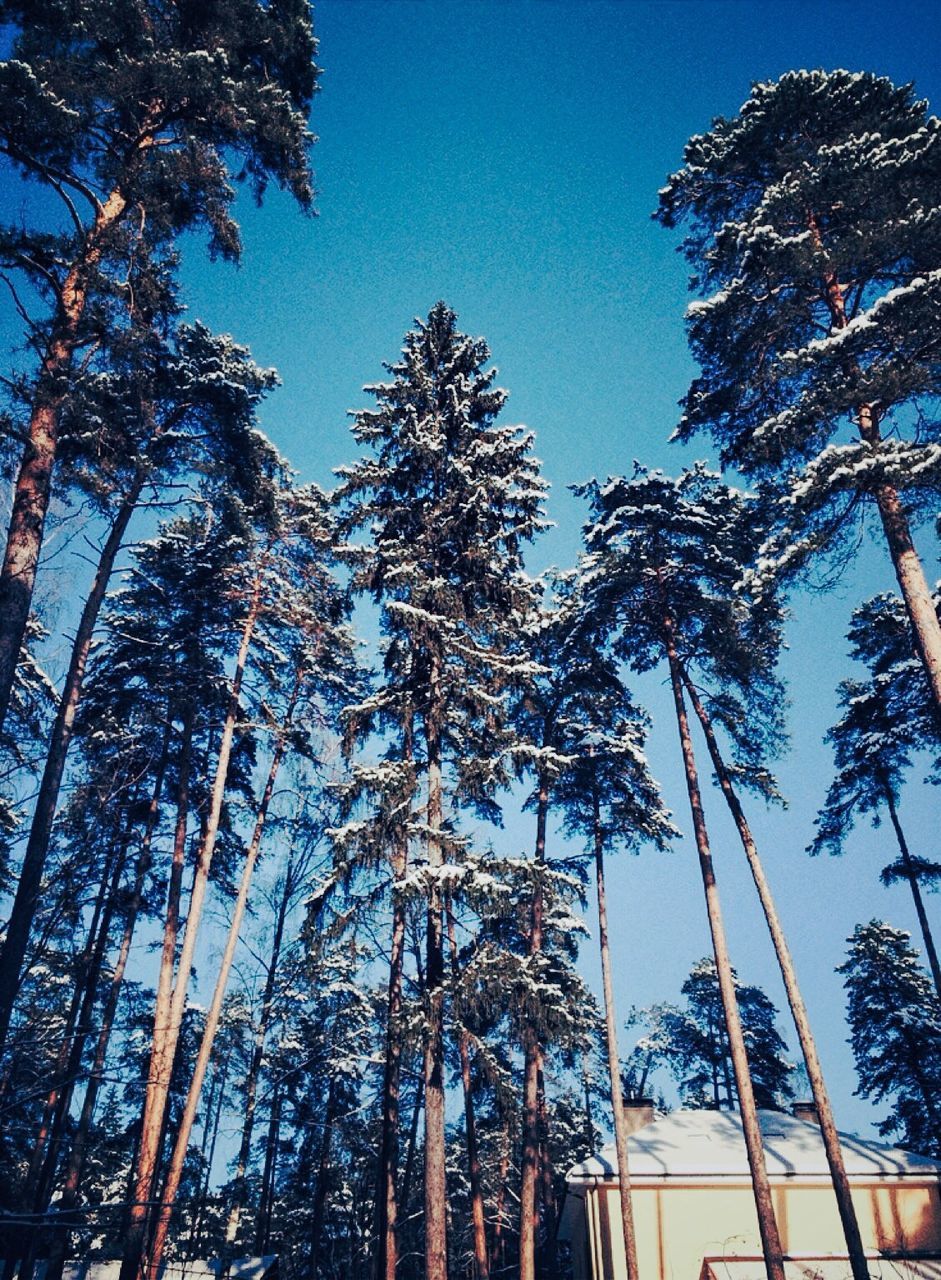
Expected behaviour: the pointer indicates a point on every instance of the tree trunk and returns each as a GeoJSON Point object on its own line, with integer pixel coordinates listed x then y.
{"type": "Point", "coordinates": [614, 1061]}
{"type": "Point", "coordinates": [499, 1222]}
{"type": "Point", "coordinates": [166, 1034]}
{"type": "Point", "coordinates": [550, 1261]}
{"type": "Point", "coordinates": [912, 877]}
{"type": "Point", "coordinates": [481, 1258]}
{"type": "Point", "coordinates": [436, 1190]}
{"type": "Point", "coordinates": [181, 1146]}
{"type": "Point", "coordinates": [530, 1154]}
{"type": "Point", "coordinates": [412, 1145]}
{"type": "Point", "coordinates": [214, 1108]}
{"type": "Point", "coordinates": [75, 1168]}
{"type": "Point", "coordinates": [323, 1175]}
{"type": "Point", "coordinates": [258, 1053]}
{"type": "Point", "coordinates": [269, 1175]}
{"type": "Point", "coordinates": [764, 1205]}
{"type": "Point", "coordinates": [37, 847]}
{"type": "Point", "coordinates": [828, 1130]}
{"type": "Point", "coordinates": [909, 572]}
{"type": "Point", "coordinates": [387, 1250]}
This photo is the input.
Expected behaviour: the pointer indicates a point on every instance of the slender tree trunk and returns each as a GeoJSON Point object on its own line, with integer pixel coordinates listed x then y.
{"type": "Point", "coordinates": [269, 1175]}
{"type": "Point", "coordinates": [764, 1205]}
{"type": "Point", "coordinates": [614, 1061]}
{"type": "Point", "coordinates": [405, 1198]}
{"type": "Point", "coordinates": [181, 1146]}
{"type": "Point", "coordinates": [475, 1177]}
{"type": "Point", "coordinates": [33, 485]}
{"type": "Point", "coordinates": [436, 1190]}
{"type": "Point", "coordinates": [166, 1035]}
{"type": "Point", "coordinates": [499, 1221]}
{"type": "Point", "coordinates": [828, 1130]}
{"type": "Point", "coordinates": [76, 1163]}
{"type": "Point", "coordinates": [387, 1250]}
{"type": "Point", "coordinates": [550, 1260]}
{"type": "Point", "coordinates": [909, 572]}
{"type": "Point", "coordinates": [323, 1177]}
{"type": "Point", "coordinates": [530, 1154]}
{"type": "Point", "coordinates": [207, 1150]}
{"type": "Point", "coordinates": [258, 1053]}
{"type": "Point", "coordinates": [37, 846]}
{"type": "Point", "coordinates": [912, 876]}
{"type": "Point", "coordinates": [79, 1013]}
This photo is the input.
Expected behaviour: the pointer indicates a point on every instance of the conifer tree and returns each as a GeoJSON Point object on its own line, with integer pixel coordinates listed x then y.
{"type": "Point", "coordinates": [895, 1025]}
{"type": "Point", "coordinates": [884, 719]}
{"type": "Point", "coordinates": [588, 741]}
{"type": "Point", "coordinates": [693, 1043]}
{"type": "Point", "coordinates": [662, 561]}
{"type": "Point", "coordinates": [159, 408]}
{"type": "Point", "coordinates": [449, 499]}
{"type": "Point", "coordinates": [129, 119]}
{"type": "Point", "coordinates": [812, 232]}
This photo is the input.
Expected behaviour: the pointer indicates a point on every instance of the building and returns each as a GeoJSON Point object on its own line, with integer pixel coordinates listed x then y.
{"type": "Point", "coordinates": [695, 1214]}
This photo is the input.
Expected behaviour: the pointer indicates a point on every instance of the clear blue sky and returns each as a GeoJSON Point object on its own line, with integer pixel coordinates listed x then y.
{"type": "Point", "coordinates": [506, 157]}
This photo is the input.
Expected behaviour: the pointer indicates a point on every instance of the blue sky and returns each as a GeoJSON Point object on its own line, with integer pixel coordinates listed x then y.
{"type": "Point", "coordinates": [506, 157]}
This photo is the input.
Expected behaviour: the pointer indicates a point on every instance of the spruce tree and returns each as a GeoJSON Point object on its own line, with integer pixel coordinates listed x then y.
{"type": "Point", "coordinates": [130, 118]}
{"type": "Point", "coordinates": [449, 499]}
{"type": "Point", "coordinates": [885, 718]}
{"type": "Point", "coordinates": [895, 1025]}
{"type": "Point", "coordinates": [813, 236]}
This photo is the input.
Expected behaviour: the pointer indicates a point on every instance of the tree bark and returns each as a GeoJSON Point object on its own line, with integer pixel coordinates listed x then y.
{"type": "Point", "coordinates": [808, 1044]}
{"type": "Point", "coordinates": [481, 1258]}
{"type": "Point", "coordinates": [269, 1175]}
{"type": "Point", "coordinates": [764, 1205]}
{"type": "Point", "coordinates": [37, 847]}
{"type": "Point", "coordinates": [323, 1176]}
{"type": "Point", "coordinates": [258, 1053]}
{"type": "Point", "coordinates": [33, 485]}
{"type": "Point", "coordinates": [76, 1164]}
{"type": "Point", "coordinates": [166, 1035]}
{"type": "Point", "coordinates": [912, 876]}
{"type": "Point", "coordinates": [181, 1145]}
{"type": "Point", "coordinates": [529, 1163]}
{"type": "Point", "coordinates": [550, 1260]}
{"type": "Point", "coordinates": [614, 1062]}
{"type": "Point", "coordinates": [909, 572]}
{"type": "Point", "coordinates": [387, 1250]}
{"type": "Point", "coordinates": [436, 1191]}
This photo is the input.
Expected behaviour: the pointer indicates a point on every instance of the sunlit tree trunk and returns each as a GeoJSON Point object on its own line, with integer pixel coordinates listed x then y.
{"type": "Point", "coordinates": [764, 1205]}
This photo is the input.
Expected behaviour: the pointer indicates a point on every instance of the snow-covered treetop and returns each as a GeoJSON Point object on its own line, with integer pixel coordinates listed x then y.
{"type": "Point", "coordinates": [812, 221]}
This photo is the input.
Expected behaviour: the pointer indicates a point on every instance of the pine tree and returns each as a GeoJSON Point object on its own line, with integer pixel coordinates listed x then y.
{"type": "Point", "coordinates": [129, 118]}
{"type": "Point", "coordinates": [692, 1041]}
{"type": "Point", "coordinates": [884, 719]}
{"type": "Point", "coordinates": [449, 499]}
{"type": "Point", "coordinates": [813, 237]}
{"type": "Point", "coordinates": [158, 409]}
{"type": "Point", "coordinates": [662, 561]}
{"type": "Point", "coordinates": [589, 739]}
{"type": "Point", "coordinates": [895, 1025]}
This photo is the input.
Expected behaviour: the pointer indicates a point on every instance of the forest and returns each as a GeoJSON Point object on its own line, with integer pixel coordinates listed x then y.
{"type": "Point", "coordinates": [272, 979]}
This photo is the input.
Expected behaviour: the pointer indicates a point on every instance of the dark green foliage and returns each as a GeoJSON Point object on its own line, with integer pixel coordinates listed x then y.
{"type": "Point", "coordinates": [895, 1025]}
{"type": "Point", "coordinates": [692, 1043]}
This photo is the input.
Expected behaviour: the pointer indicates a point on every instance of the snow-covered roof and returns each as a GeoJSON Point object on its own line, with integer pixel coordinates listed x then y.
{"type": "Point", "coordinates": [707, 1144]}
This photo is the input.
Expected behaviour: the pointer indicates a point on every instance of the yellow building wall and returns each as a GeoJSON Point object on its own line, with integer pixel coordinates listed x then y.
{"type": "Point", "coordinates": [677, 1226]}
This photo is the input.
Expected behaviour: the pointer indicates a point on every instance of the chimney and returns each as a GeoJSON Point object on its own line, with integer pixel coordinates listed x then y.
{"type": "Point", "coordinates": [806, 1111]}
{"type": "Point", "coordinates": [638, 1112]}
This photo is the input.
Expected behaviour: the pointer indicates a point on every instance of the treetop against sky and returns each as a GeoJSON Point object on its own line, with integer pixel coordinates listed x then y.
{"type": "Point", "coordinates": [506, 157]}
